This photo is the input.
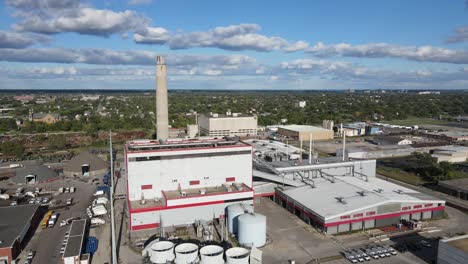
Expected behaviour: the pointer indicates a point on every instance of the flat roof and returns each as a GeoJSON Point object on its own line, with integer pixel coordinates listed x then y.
{"type": "Point", "coordinates": [304, 128]}
{"type": "Point", "coordinates": [460, 242]}
{"type": "Point", "coordinates": [13, 220]}
{"type": "Point", "coordinates": [170, 144]}
{"type": "Point", "coordinates": [75, 239]}
{"type": "Point", "coordinates": [323, 198]}
{"type": "Point", "coordinates": [233, 115]}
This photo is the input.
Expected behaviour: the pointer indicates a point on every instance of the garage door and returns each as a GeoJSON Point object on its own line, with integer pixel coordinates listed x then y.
{"type": "Point", "coordinates": [387, 221]}
{"type": "Point", "coordinates": [369, 224]}
{"type": "Point", "coordinates": [405, 217]}
{"type": "Point", "coordinates": [332, 230]}
{"type": "Point", "coordinates": [427, 215]}
{"type": "Point", "coordinates": [343, 228]}
{"type": "Point", "coordinates": [356, 226]}
{"type": "Point", "coordinates": [416, 216]}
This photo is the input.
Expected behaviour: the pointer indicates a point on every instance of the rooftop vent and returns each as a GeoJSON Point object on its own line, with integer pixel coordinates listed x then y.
{"type": "Point", "coordinates": [398, 191]}
{"type": "Point", "coordinates": [362, 193]}
{"type": "Point", "coordinates": [379, 190]}
{"type": "Point", "coordinates": [340, 200]}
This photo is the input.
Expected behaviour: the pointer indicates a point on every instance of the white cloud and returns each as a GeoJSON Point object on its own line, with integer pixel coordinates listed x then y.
{"type": "Point", "coordinates": [233, 37]}
{"type": "Point", "coordinates": [140, 2]}
{"type": "Point", "coordinates": [381, 50]}
{"type": "Point", "coordinates": [460, 35]}
{"type": "Point", "coordinates": [16, 40]}
{"type": "Point", "coordinates": [56, 16]}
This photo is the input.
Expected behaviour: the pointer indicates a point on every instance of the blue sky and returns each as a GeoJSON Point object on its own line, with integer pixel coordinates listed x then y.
{"type": "Point", "coordinates": [321, 44]}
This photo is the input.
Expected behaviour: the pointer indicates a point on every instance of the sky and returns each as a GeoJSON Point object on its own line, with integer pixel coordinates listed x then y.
{"type": "Point", "coordinates": [234, 45]}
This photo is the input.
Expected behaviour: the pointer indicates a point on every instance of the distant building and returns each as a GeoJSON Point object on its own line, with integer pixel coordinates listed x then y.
{"type": "Point", "coordinates": [17, 223]}
{"type": "Point", "coordinates": [85, 164]}
{"type": "Point", "coordinates": [75, 243]}
{"type": "Point", "coordinates": [304, 132]}
{"type": "Point", "coordinates": [451, 154]}
{"type": "Point", "coordinates": [328, 124]}
{"type": "Point", "coordinates": [301, 104]}
{"type": "Point", "coordinates": [388, 140]}
{"type": "Point", "coordinates": [453, 250]}
{"type": "Point", "coordinates": [48, 118]}
{"type": "Point", "coordinates": [218, 125]}
{"type": "Point", "coordinates": [192, 131]}
{"type": "Point", "coordinates": [457, 188]}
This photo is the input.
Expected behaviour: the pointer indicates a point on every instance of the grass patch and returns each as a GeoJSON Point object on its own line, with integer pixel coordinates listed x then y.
{"type": "Point", "coordinates": [400, 175]}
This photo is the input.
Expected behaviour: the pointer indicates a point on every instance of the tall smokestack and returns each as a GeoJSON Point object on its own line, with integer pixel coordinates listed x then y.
{"type": "Point", "coordinates": [162, 120]}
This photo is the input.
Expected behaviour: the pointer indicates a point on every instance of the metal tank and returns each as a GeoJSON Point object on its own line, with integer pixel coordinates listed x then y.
{"type": "Point", "coordinates": [252, 230]}
{"type": "Point", "coordinates": [186, 253]}
{"type": "Point", "coordinates": [162, 252]}
{"type": "Point", "coordinates": [237, 255]}
{"type": "Point", "coordinates": [233, 211]}
{"type": "Point", "coordinates": [211, 254]}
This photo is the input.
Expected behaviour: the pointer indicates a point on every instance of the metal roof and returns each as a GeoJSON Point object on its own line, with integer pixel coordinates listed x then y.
{"type": "Point", "coordinates": [85, 157]}
{"type": "Point", "coordinates": [303, 128]}
{"type": "Point", "coordinates": [322, 199]}
{"type": "Point", "coordinates": [13, 221]}
{"type": "Point", "coordinates": [76, 238]}
{"type": "Point", "coordinates": [42, 173]}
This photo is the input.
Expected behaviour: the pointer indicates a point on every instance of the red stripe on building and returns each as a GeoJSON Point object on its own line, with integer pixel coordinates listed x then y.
{"type": "Point", "coordinates": [162, 208]}
{"type": "Point", "coordinates": [230, 179]}
{"type": "Point", "coordinates": [264, 194]}
{"type": "Point", "coordinates": [185, 149]}
{"type": "Point", "coordinates": [383, 216]}
{"type": "Point", "coordinates": [147, 187]}
{"type": "Point", "coordinates": [147, 226]}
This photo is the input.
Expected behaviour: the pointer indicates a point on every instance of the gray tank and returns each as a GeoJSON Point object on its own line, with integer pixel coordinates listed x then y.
{"type": "Point", "coordinates": [233, 211]}
{"type": "Point", "coordinates": [252, 230]}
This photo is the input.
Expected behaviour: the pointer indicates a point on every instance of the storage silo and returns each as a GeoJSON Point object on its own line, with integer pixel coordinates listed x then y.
{"type": "Point", "coordinates": [211, 254]}
{"type": "Point", "coordinates": [162, 252]}
{"type": "Point", "coordinates": [237, 255]}
{"type": "Point", "coordinates": [233, 211]}
{"type": "Point", "coordinates": [252, 230]}
{"type": "Point", "coordinates": [186, 253]}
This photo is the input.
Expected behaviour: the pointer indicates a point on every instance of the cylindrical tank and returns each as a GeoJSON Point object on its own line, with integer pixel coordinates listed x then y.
{"type": "Point", "coordinates": [233, 211]}
{"type": "Point", "coordinates": [211, 254]}
{"type": "Point", "coordinates": [237, 255]}
{"type": "Point", "coordinates": [252, 230]}
{"type": "Point", "coordinates": [162, 252]}
{"type": "Point", "coordinates": [186, 253]}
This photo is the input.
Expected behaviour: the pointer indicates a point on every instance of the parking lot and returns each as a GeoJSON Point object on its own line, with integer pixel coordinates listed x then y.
{"type": "Point", "coordinates": [48, 242]}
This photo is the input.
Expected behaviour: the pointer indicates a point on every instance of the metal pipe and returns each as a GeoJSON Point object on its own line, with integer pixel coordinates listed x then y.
{"type": "Point", "coordinates": [114, 250]}
{"type": "Point", "coordinates": [310, 148]}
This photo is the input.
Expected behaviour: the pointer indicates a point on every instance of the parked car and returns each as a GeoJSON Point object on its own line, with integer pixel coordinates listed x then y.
{"type": "Point", "coordinates": [14, 203]}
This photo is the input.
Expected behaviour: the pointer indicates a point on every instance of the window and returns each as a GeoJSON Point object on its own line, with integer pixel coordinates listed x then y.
{"type": "Point", "coordinates": [230, 179]}
{"type": "Point", "coordinates": [147, 187]}
{"type": "Point", "coordinates": [357, 215]}
{"type": "Point", "coordinates": [194, 182]}
{"type": "Point", "coordinates": [370, 213]}
{"type": "Point", "coordinates": [428, 205]}
{"type": "Point", "coordinates": [345, 217]}
{"type": "Point", "coordinates": [174, 180]}
{"type": "Point", "coordinates": [417, 206]}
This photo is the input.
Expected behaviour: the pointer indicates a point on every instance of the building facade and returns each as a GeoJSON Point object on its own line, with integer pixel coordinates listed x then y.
{"type": "Point", "coordinates": [181, 181]}
{"type": "Point", "coordinates": [298, 132]}
{"type": "Point", "coordinates": [217, 125]}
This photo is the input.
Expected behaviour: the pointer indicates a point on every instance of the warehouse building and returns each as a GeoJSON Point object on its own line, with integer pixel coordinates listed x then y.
{"type": "Point", "coordinates": [75, 243]}
{"type": "Point", "coordinates": [86, 164]}
{"type": "Point", "coordinates": [179, 181]}
{"type": "Point", "coordinates": [298, 132]}
{"type": "Point", "coordinates": [456, 187]}
{"type": "Point", "coordinates": [17, 223]}
{"type": "Point", "coordinates": [230, 124]}
{"type": "Point", "coordinates": [453, 250]}
{"type": "Point", "coordinates": [345, 203]}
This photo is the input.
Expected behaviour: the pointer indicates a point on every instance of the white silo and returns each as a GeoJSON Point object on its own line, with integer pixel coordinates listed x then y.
{"type": "Point", "coordinates": [162, 252]}
{"type": "Point", "coordinates": [211, 254]}
{"type": "Point", "coordinates": [233, 211]}
{"type": "Point", "coordinates": [237, 255]}
{"type": "Point", "coordinates": [252, 230]}
{"type": "Point", "coordinates": [186, 253]}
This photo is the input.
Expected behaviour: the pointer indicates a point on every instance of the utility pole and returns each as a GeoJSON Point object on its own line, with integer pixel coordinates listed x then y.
{"type": "Point", "coordinates": [114, 251]}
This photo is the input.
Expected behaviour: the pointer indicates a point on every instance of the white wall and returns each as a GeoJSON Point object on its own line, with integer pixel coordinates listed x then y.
{"type": "Point", "coordinates": [168, 174]}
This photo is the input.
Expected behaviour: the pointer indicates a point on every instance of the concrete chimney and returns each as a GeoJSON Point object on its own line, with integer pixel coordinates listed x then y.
{"type": "Point", "coordinates": [162, 120]}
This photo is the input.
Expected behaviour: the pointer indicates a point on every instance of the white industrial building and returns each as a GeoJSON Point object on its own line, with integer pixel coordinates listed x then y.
{"type": "Point", "coordinates": [180, 181]}
{"type": "Point", "coordinates": [230, 124]}
{"type": "Point", "coordinates": [349, 199]}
